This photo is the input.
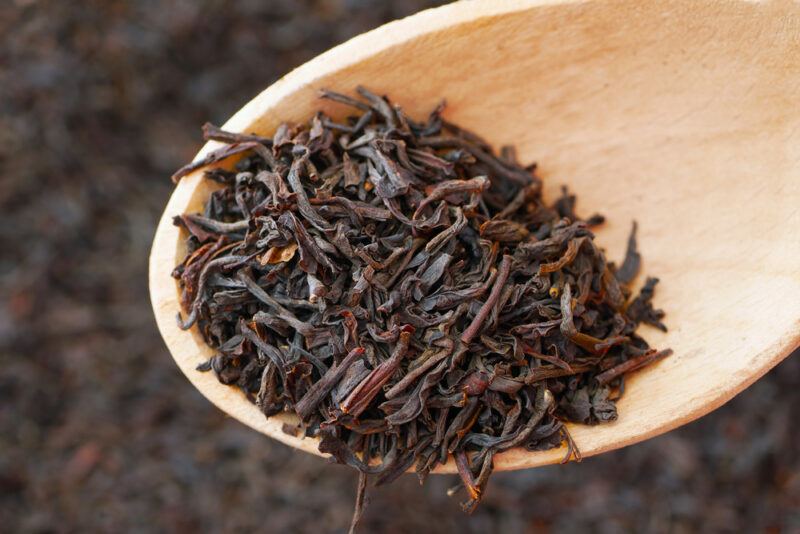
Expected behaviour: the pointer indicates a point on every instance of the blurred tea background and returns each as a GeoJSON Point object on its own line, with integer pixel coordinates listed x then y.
{"type": "Point", "coordinates": [99, 432]}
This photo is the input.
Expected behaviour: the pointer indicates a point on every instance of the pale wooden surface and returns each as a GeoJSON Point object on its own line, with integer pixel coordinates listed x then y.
{"type": "Point", "coordinates": [683, 115]}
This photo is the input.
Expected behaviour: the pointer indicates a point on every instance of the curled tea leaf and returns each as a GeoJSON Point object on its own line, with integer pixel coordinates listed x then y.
{"type": "Point", "coordinates": [278, 254]}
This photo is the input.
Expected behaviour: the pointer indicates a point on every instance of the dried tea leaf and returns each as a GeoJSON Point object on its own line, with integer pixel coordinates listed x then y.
{"type": "Point", "coordinates": [278, 254]}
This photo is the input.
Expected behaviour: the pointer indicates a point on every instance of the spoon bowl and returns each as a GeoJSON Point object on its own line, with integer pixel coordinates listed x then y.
{"type": "Point", "coordinates": [682, 115]}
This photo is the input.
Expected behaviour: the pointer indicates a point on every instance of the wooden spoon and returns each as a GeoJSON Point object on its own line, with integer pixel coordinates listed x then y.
{"type": "Point", "coordinates": [682, 115]}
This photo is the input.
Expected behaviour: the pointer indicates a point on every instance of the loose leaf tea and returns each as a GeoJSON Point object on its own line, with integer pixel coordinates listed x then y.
{"type": "Point", "coordinates": [407, 293]}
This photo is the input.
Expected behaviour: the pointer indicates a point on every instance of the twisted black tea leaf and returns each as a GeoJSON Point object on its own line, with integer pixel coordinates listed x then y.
{"type": "Point", "coordinates": [407, 293]}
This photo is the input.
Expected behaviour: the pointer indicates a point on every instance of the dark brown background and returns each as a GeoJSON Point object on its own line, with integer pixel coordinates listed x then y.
{"type": "Point", "coordinates": [99, 103]}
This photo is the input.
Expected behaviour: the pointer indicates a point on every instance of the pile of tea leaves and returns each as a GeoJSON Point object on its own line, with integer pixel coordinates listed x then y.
{"type": "Point", "coordinates": [407, 293]}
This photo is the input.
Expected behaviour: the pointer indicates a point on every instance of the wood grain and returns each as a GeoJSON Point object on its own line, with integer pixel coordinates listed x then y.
{"type": "Point", "coordinates": [682, 115]}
